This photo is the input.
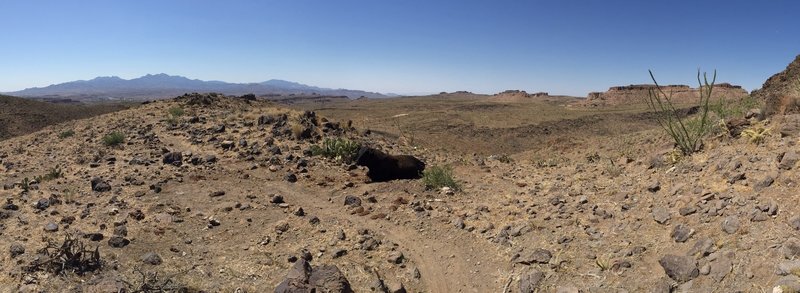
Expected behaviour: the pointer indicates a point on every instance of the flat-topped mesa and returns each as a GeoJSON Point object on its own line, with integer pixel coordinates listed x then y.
{"type": "Point", "coordinates": [522, 93]}
{"type": "Point", "coordinates": [638, 94]}
{"type": "Point", "coordinates": [648, 87]}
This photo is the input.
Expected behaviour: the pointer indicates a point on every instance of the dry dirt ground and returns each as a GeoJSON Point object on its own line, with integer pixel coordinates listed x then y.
{"type": "Point", "coordinates": [552, 200]}
{"type": "Point", "coordinates": [20, 116]}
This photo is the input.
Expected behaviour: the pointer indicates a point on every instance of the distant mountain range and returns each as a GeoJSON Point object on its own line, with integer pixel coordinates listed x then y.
{"type": "Point", "coordinates": [155, 86]}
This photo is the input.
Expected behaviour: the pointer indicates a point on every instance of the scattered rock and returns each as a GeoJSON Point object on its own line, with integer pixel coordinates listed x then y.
{"type": "Point", "coordinates": [395, 257]}
{"type": "Point", "coordinates": [277, 199]}
{"type": "Point", "coordinates": [679, 268]}
{"type": "Point", "coordinates": [352, 200]}
{"type": "Point", "coordinates": [151, 258]}
{"type": "Point", "coordinates": [654, 186]}
{"type": "Point", "coordinates": [731, 224]}
{"type": "Point", "coordinates": [16, 249]}
{"type": "Point", "coordinates": [173, 158]}
{"type": "Point", "coordinates": [117, 241]}
{"type": "Point", "coordinates": [51, 227]}
{"type": "Point", "coordinates": [788, 160]}
{"type": "Point", "coordinates": [681, 233]}
{"type": "Point", "coordinates": [721, 266]}
{"type": "Point", "coordinates": [529, 282]}
{"type": "Point", "coordinates": [791, 248]}
{"type": "Point", "coordinates": [99, 185]}
{"type": "Point", "coordinates": [661, 215]}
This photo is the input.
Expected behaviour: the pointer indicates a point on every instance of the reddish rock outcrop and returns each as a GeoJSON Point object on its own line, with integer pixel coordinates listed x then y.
{"type": "Point", "coordinates": [638, 94]}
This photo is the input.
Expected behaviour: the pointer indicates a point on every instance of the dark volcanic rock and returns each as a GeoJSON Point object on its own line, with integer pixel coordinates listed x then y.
{"type": "Point", "coordinates": [173, 158]}
{"type": "Point", "coordinates": [99, 185]}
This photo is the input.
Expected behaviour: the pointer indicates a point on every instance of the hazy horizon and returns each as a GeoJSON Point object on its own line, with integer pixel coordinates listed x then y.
{"type": "Point", "coordinates": [569, 48]}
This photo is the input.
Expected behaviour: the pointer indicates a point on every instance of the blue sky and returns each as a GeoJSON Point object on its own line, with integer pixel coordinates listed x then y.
{"type": "Point", "coordinates": [563, 47]}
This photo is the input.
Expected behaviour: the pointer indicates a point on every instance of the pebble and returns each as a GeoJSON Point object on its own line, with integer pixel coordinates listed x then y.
{"type": "Point", "coordinates": [151, 258]}
{"type": "Point", "coordinates": [730, 224]}
{"type": "Point", "coordinates": [16, 249]}
{"type": "Point", "coordinates": [51, 227]}
{"type": "Point", "coordinates": [681, 233]}
{"type": "Point", "coordinates": [661, 215]}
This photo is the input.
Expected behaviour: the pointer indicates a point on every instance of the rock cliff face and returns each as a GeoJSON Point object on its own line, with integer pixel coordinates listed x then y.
{"type": "Point", "coordinates": [781, 92]}
{"type": "Point", "coordinates": [638, 93]}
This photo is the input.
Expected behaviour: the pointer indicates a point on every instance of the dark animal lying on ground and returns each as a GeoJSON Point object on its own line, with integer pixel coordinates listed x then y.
{"type": "Point", "coordinates": [384, 167]}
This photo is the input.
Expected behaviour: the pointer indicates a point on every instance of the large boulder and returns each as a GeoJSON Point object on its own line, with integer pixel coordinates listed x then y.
{"type": "Point", "coordinates": [303, 278]}
{"type": "Point", "coordinates": [781, 92]}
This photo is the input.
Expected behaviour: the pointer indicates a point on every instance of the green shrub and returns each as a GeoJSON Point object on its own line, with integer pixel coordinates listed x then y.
{"type": "Point", "coordinates": [687, 137]}
{"type": "Point", "coordinates": [437, 177]}
{"type": "Point", "coordinates": [340, 149]}
{"type": "Point", "coordinates": [54, 173]}
{"type": "Point", "coordinates": [65, 134]}
{"type": "Point", "coordinates": [727, 109]}
{"type": "Point", "coordinates": [113, 138]}
{"type": "Point", "coordinates": [176, 112]}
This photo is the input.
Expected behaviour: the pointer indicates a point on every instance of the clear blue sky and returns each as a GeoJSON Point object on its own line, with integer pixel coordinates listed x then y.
{"type": "Point", "coordinates": [563, 47]}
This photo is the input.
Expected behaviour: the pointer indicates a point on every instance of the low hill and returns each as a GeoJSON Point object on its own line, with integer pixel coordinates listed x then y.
{"type": "Point", "coordinates": [20, 116]}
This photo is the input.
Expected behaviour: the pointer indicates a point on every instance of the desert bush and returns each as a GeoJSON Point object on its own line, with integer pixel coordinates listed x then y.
{"type": "Point", "coordinates": [340, 149]}
{"type": "Point", "coordinates": [26, 184]}
{"type": "Point", "coordinates": [54, 173]}
{"type": "Point", "coordinates": [437, 177]}
{"type": "Point", "coordinates": [113, 138]}
{"type": "Point", "coordinates": [71, 256]}
{"type": "Point", "coordinates": [687, 138]}
{"type": "Point", "coordinates": [176, 112]}
{"type": "Point", "coordinates": [65, 134]}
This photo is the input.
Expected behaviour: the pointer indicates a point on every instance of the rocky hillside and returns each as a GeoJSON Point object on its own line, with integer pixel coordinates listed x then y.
{"type": "Point", "coordinates": [225, 195]}
{"type": "Point", "coordinates": [781, 92]}
{"type": "Point", "coordinates": [637, 94]}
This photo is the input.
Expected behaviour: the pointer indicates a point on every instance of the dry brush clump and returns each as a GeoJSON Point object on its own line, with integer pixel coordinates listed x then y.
{"type": "Point", "coordinates": [71, 256]}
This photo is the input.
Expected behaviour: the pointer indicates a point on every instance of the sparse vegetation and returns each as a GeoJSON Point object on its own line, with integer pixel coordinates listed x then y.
{"type": "Point", "coordinates": [339, 149]}
{"type": "Point", "coordinates": [437, 177]}
{"type": "Point", "coordinates": [686, 134]}
{"type": "Point", "coordinates": [54, 173]}
{"type": "Point", "coordinates": [71, 256]}
{"type": "Point", "coordinates": [65, 134]}
{"type": "Point", "coordinates": [151, 282]}
{"type": "Point", "coordinates": [726, 109]}
{"type": "Point", "coordinates": [176, 112]}
{"type": "Point", "coordinates": [756, 134]}
{"type": "Point", "coordinates": [113, 138]}
{"type": "Point", "coordinates": [26, 184]}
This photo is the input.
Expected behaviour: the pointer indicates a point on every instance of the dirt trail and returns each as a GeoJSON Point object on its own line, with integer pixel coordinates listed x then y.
{"type": "Point", "coordinates": [448, 263]}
